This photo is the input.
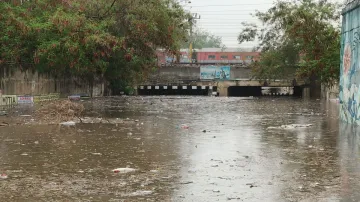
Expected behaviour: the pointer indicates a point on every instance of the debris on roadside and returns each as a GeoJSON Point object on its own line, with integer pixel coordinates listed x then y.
{"type": "Point", "coordinates": [74, 97]}
{"type": "Point", "coordinates": [78, 97]}
{"type": "Point", "coordinates": [59, 112]}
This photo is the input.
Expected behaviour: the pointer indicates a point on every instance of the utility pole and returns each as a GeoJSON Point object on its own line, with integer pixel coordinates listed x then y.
{"type": "Point", "coordinates": [192, 21]}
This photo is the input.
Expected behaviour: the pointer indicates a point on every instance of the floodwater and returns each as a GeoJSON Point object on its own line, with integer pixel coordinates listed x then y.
{"type": "Point", "coordinates": [186, 149]}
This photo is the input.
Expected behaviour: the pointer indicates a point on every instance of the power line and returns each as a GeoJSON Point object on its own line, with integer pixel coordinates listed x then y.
{"type": "Point", "coordinates": [231, 5]}
{"type": "Point", "coordinates": [248, 10]}
{"type": "Point", "coordinates": [228, 10]}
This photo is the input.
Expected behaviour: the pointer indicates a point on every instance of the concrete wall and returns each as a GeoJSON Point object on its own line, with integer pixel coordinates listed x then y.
{"type": "Point", "coordinates": [181, 74]}
{"type": "Point", "coordinates": [33, 83]}
{"type": "Point", "coordinates": [349, 95]}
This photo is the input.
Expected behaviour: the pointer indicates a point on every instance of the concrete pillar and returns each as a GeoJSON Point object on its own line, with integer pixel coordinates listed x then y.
{"type": "Point", "coordinates": [136, 90]}
{"type": "Point", "coordinates": [1, 98]}
{"type": "Point", "coordinates": [223, 91]}
{"type": "Point", "coordinates": [306, 93]}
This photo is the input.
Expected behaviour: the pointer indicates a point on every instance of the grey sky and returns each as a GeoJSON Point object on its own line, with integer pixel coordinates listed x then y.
{"type": "Point", "coordinates": [223, 18]}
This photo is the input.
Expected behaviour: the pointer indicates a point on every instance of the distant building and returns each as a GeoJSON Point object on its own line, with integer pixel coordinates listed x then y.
{"type": "Point", "coordinates": [211, 56]}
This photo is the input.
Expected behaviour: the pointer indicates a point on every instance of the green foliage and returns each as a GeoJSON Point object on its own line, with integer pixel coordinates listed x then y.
{"type": "Point", "coordinates": [109, 39]}
{"type": "Point", "coordinates": [203, 39]}
{"type": "Point", "coordinates": [276, 63]}
{"type": "Point", "coordinates": [309, 26]}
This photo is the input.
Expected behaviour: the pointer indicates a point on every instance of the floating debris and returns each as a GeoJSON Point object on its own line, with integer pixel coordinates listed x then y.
{"type": "Point", "coordinates": [124, 170]}
{"type": "Point", "coordinates": [187, 182]}
{"type": "Point", "coordinates": [3, 176]}
{"type": "Point", "coordinates": [69, 123]}
{"type": "Point", "coordinates": [291, 126]}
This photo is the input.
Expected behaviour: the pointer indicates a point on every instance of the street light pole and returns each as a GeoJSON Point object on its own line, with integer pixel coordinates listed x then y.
{"type": "Point", "coordinates": [192, 21]}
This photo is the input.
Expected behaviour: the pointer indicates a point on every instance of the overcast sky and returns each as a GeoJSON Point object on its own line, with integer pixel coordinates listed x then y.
{"type": "Point", "coordinates": [223, 17]}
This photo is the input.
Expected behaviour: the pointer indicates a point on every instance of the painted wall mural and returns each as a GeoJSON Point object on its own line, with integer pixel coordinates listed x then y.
{"type": "Point", "coordinates": [215, 72]}
{"type": "Point", "coordinates": [349, 67]}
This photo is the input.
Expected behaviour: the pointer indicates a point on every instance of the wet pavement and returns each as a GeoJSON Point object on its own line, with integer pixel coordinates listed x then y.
{"type": "Point", "coordinates": [186, 149]}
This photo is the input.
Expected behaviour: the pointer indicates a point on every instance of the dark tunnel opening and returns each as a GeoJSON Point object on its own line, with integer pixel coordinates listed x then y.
{"type": "Point", "coordinates": [176, 90]}
{"type": "Point", "coordinates": [244, 91]}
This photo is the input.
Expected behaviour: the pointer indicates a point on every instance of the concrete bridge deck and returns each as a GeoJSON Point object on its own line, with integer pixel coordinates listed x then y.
{"type": "Point", "coordinates": [190, 77]}
{"type": "Point", "coordinates": [220, 86]}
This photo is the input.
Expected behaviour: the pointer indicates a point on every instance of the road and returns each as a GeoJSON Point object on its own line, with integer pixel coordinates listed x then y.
{"type": "Point", "coordinates": [186, 149]}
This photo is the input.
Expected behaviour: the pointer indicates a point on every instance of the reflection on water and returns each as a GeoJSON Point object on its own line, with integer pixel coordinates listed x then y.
{"type": "Point", "coordinates": [227, 153]}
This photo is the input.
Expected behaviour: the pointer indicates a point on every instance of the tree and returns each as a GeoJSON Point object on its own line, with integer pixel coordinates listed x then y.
{"type": "Point", "coordinates": [276, 63]}
{"type": "Point", "coordinates": [307, 25]}
{"type": "Point", "coordinates": [108, 39]}
{"type": "Point", "coordinates": [203, 39]}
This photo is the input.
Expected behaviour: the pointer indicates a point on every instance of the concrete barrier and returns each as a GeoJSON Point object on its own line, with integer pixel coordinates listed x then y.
{"type": "Point", "coordinates": [49, 97]}
{"type": "Point", "coordinates": [6, 100]}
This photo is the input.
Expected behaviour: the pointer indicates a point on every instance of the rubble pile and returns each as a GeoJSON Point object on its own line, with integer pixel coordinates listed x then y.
{"type": "Point", "coordinates": [59, 111]}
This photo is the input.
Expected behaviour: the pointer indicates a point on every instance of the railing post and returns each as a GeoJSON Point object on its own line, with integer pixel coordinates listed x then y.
{"type": "Point", "coordinates": [1, 98]}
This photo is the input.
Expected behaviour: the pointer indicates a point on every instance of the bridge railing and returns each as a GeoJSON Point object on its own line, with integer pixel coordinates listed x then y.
{"type": "Point", "coordinates": [7, 100]}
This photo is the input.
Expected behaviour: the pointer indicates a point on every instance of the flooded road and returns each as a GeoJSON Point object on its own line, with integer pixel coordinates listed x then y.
{"type": "Point", "coordinates": [186, 149]}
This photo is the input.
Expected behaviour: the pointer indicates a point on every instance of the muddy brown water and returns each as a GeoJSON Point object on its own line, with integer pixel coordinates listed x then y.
{"type": "Point", "coordinates": [237, 158]}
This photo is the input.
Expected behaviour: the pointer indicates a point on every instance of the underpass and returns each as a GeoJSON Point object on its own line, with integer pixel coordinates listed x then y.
{"type": "Point", "coordinates": [217, 80]}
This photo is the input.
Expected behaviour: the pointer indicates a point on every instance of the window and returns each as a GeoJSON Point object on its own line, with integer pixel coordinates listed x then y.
{"type": "Point", "coordinates": [249, 57]}
{"type": "Point", "coordinates": [211, 57]}
{"type": "Point", "coordinates": [236, 57]}
{"type": "Point", "coordinates": [224, 57]}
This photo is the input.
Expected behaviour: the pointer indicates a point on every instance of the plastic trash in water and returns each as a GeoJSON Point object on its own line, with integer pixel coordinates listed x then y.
{"type": "Point", "coordinates": [124, 170]}
{"type": "Point", "coordinates": [184, 126]}
{"type": "Point", "coordinates": [69, 123]}
{"type": "Point", "coordinates": [141, 193]}
{"type": "Point", "coordinates": [3, 176]}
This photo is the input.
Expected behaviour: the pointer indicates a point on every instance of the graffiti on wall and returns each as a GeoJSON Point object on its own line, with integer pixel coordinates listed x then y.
{"type": "Point", "coordinates": [349, 68]}
{"type": "Point", "coordinates": [215, 72]}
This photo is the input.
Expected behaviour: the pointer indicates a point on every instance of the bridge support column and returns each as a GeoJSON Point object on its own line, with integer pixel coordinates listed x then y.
{"type": "Point", "coordinates": [306, 93]}
{"type": "Point", "coordinates": [223, 91]}
{"type": "Point", "coordinates": [136, 90]}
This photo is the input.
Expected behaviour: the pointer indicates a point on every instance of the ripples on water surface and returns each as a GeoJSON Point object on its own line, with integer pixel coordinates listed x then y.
{"type": "Point", "coordinates": [227, 153]}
